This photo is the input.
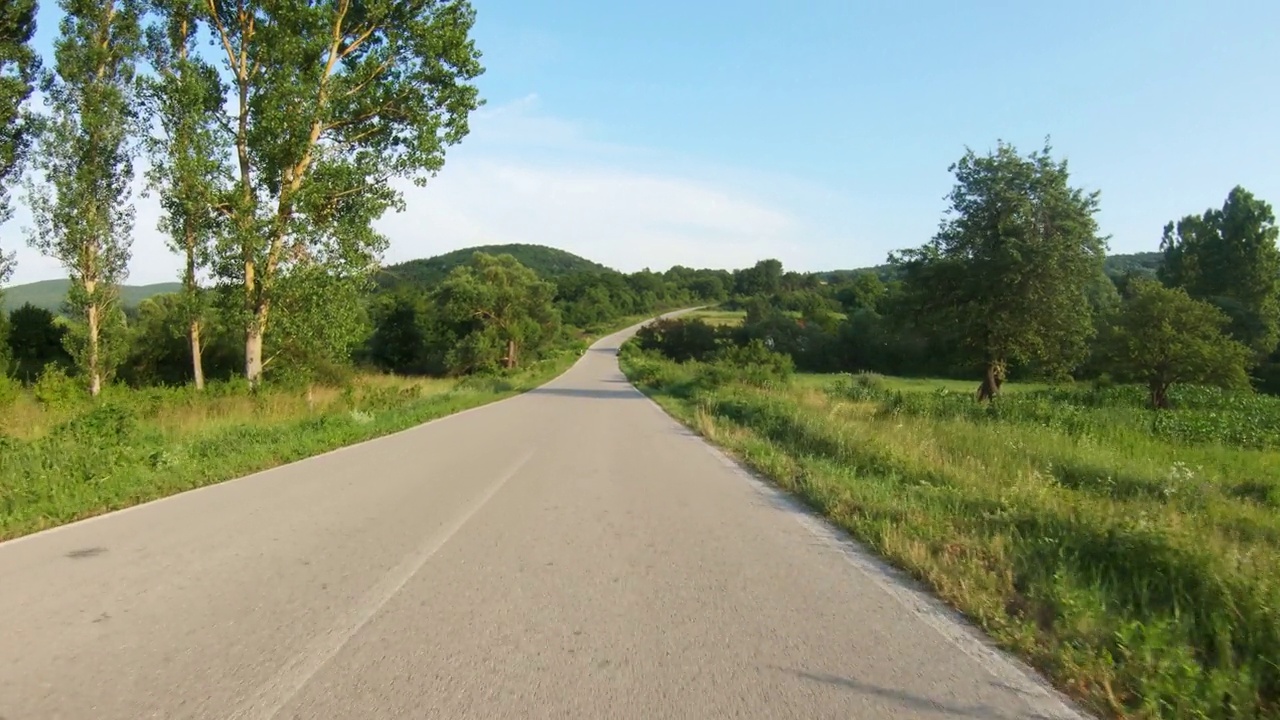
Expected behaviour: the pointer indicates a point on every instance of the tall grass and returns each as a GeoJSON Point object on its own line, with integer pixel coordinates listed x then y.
{"type": "Point", "coordinates": [1136, 565]}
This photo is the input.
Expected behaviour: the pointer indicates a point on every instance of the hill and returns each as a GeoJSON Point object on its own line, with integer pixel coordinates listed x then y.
{"type": "Point", "coordinates": [548, 262]}
{"type": "Point", "coordinates": [50, 294]}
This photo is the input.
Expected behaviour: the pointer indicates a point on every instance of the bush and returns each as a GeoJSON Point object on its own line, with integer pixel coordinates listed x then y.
{"type": "Point", "coordinates": [56, 390]}
{"type": "Point", "coordinates": [681, 340]}
{"type": "Point", "coordinates": [753, 364]}
{"type": "Point", "coordinates": [10, 389]}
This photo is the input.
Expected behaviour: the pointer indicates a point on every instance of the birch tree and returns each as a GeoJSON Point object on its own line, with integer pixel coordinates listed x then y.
{"type": "Point", "coordinates": [333, 100]}
{"type": "Point", "coordinates": [81, 207]}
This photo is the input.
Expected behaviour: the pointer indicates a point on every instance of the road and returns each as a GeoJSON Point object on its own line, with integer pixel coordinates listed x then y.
{"type": "Point", "coordinates": [568, 553]}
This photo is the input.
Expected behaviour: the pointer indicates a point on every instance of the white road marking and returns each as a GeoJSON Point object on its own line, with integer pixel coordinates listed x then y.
{"type": "Point", "coordinates": [277, 692]}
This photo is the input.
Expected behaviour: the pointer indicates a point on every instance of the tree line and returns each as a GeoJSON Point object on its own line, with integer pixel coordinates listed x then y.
{"type": "Point", "coordinates": [271, 155]}
{"type": "Point", "coordinates": [1013, 285]}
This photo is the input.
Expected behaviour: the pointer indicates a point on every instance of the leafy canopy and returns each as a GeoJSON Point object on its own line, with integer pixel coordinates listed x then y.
{"type": "Point", "coordinates": [1009, 266]}
{"type": "Point", "coordinates": [1229, 257]}
{"type": "Point", "coordinates": [19, 65]}
{"type": "Point", "coordinates": [1163, 336]}
{"type": "Point", "coordinates": [496, 305]}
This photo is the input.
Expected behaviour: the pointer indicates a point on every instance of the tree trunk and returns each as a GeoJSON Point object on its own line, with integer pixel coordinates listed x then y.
{"type": "Point", "coordinates": [94, 367]}
{"type": "Point", "coordinates": [253, 352]}
{"type": "Point", "coordinates": [511, 354]}
{"type": "Point", "coordinates": [197, 362]}
{"type": "Point", "coordinates": [1159, 395]}
{"type": "Point", "coordinates": [991, 381]}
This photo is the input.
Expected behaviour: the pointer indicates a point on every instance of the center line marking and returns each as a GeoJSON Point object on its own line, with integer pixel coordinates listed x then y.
{"type": "Point", "coordinates": [275, 693]}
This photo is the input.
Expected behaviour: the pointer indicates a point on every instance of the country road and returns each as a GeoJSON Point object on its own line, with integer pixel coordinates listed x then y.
{"type": "Point", "coordinates": [568, 553]}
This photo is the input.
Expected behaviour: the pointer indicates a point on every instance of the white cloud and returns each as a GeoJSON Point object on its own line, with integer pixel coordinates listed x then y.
{"type": "Point", "coordinates": [523, 176]}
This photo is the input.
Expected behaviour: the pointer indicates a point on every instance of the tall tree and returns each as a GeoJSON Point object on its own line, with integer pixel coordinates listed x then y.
{"type": "Point", "coordinates": [19, 65]}
{"type": "Point", "coordinates": [1229, 257]}
{"type": "Point", "coordinates": [189, 157]}
{"type": "Point", "coordinates": [1163, 336]}
{"type": "Point", "coordinates": [499, 310]}
{"type": "Point", "coordinates": [82, 214]}
{"type": "Point", "coordinates": [334, 100]}
{"type": "Point", "coordinates": [1008, 268]}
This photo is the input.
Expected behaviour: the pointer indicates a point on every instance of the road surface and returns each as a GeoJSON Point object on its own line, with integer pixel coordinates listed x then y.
{"type": "Point", "coordinates": [568, 553]}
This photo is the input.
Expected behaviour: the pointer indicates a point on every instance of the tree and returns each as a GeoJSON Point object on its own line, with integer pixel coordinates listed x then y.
{"type": "Point", "coordinates": [763, 278]}
{"type": "Point", "coordinates": [1229, 257]}
{"type": "Point", "coordinates": [500, 309]}
{"type": "Point", "coordinates": [188, 162]}
{"type": "Point", "coordinates": [19, 65]}
{"type": "Point", "coordinates": [864, 291]}
{"type": "Point", "coordinates": [35, 340]}
{"type": "Point", "coordinates": [82, 216]}
{"type": "Point", "coordinates": [1163, 336]}
{"type": "Point", "coordinates": [322, 320]}
{"type": "Point", "coordinates": [335, 99]}
{"type": "Point", "coordinates": [1008, 268]}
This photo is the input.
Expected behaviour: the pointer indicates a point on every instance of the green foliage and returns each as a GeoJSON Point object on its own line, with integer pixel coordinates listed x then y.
{"type": "Point", "coordinates": [1229, 257]}
{"type": "Point", "coordinates": [763, 278]}
{"type": "Point", "coordinates": [82, 215]}
{"type": "Point", "coordinates": [337, 100]}
{"type": "Point", "coordinates": [680, 339]}
{"type": "Point", "coordinates": [499, 311]}
{"type": "Point", "coordinates": [1163, 336]}
{"type": "Point", "coordinates": [56, 390]}
{"type": "Point", "coordinates": [1008, 269]}
{"type": "Point", "coordinates": [321, 320]}
{"type": "Point", "coordinates": [19, 65]}
{"type": "Point", "coordinates": [35, 341]}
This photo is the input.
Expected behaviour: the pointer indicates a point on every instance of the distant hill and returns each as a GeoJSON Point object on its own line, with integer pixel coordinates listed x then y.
{"type": "Point", "coordinates": [548, 262]}
{"type": "Point", "coordinates": [1145, 262]}
{"type": "Point", "coordinates": [50, 294]}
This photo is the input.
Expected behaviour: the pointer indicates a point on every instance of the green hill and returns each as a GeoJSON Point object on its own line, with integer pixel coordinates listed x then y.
{"type": "Point", "coordinates": [547, 262]}
{"type": "Point", "coordinates": [50, 294]}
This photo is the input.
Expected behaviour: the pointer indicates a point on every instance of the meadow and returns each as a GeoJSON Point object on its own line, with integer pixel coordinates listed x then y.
{"type": "Point", "coordinates": [1131, 556]}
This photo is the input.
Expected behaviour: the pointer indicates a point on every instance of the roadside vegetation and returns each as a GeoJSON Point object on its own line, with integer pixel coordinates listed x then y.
{"type": "Point", "coordinates": [1083, 457]}
{"type": "Point", "coordinates": [272, 150]}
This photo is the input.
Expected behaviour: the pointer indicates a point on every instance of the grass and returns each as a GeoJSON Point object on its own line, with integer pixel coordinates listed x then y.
{"type": "Point", "coordinates": [64, 458]}
{"type": "Point", "coordinates": [718, 318]}
{"type": "Point", "coordinates": [1137, 568]}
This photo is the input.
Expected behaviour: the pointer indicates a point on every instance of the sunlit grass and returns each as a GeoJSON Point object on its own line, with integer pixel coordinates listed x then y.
{"type": "Point", "coordinates": [1141, 572]}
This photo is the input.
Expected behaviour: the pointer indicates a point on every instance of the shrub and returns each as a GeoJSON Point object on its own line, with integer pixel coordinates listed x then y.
{"type": "Point", "coordinates": [55, 390]}
{"type": "Point", "coordinates": [680, 339]}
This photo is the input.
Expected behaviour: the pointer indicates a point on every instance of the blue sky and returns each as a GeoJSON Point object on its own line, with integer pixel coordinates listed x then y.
{"type": "Point", "coordinates": [716, 133]}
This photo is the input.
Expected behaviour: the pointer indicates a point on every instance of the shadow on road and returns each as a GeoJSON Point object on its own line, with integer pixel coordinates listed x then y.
{"type": "Point", "coordinates": [911, 701]}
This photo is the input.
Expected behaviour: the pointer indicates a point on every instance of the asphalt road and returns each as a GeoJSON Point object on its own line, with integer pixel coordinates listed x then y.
{"type": "Point", "coordinates": [568, 553]}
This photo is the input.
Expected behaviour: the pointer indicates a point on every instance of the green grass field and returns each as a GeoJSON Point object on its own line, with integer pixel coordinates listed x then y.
{"type": "Point", "coordinates": [1133, 559]}
{"type": "Point", "coordinates": [718, 317]}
